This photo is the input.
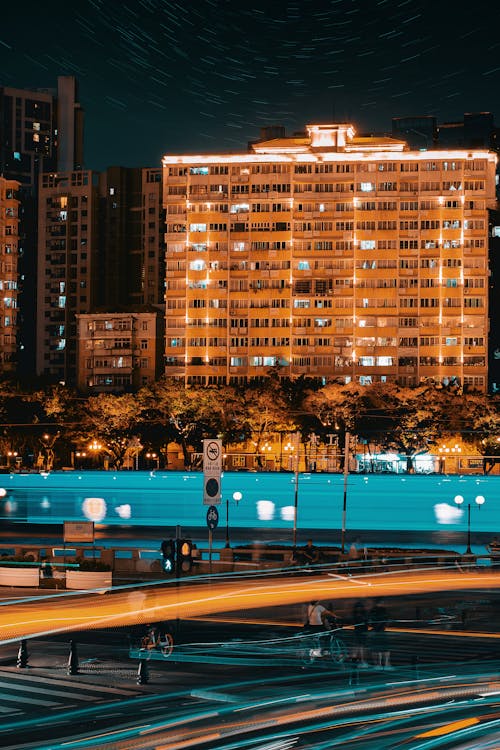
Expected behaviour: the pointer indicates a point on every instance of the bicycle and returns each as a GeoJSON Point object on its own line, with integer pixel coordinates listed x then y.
{"type": "Point", "coordinates": [325, 645]}
{"type": "Point", "coordinates": [154, 640]}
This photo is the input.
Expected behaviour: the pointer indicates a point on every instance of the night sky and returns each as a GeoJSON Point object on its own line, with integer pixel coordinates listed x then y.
{"type": "Point", "coordinates": [159, 77]}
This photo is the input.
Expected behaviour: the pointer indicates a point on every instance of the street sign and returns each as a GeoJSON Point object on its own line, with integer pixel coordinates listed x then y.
{"type": "Point", "coordinates": [212, 457]}
{"type": "Point", "coordinates": [212, 517]}
{"type": "Point", "coordinates": [212, 468]}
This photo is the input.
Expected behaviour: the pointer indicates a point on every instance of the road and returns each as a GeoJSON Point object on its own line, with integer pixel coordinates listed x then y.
{"type": "Point", "coordinates": [198, 706]}
{"type": "Point", "coordinates": [66, 612]}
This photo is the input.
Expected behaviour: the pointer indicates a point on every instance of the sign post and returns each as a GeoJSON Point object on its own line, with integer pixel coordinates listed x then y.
{"type": "Point", "coordinates": [212, 469]}
{"type": "Point", "coordinates": [212, 522]}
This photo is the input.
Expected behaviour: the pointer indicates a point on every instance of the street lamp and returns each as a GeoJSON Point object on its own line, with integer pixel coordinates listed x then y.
{"type": "Point", "coordinates": [95, 448]}
{"type": "Point", "coordinates": [11, 454]}
{"type": "Point", "coordinates": [237, 496]}
{"type": "Point", "coordinates": [153, 457]}
{"type": "Point", "coordinates": [479, 501]}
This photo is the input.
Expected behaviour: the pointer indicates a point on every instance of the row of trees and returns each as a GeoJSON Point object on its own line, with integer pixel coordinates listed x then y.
{"type": "Point", "coordinates": [44, 427]}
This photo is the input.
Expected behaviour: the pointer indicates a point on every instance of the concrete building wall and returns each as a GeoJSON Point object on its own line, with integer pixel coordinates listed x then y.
{"type": "Point", "coordinates": [67, 268]}
{"type": "Point", "coordinates": [9, 237]}
{"type": "Point", "coordinates": [118, 351]}
{"type": "Point", "coordinates": [331, 256]}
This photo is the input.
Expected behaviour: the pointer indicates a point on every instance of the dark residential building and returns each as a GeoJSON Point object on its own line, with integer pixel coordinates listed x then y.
{"type": "Point", "coordinates": [419, 132]}
{"type": "Point", "coordinates": [100, 252]}
{"type": "Point", "coordinates": [41, 130]}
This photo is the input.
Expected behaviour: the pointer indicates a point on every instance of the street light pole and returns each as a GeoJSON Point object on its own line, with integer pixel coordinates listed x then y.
{"type": "Point", "coordinates": [296, 494]}
{"type": "Point", "coordinates": [346, 472]}
{"type": "Point", "coordinates": [237, 496]}
{"type": "Point", "coordinates": [479, 501]}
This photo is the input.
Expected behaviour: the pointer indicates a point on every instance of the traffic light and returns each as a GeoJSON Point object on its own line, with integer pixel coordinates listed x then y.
{"type": "Point", "coordinates": [168, 553]}
{"type": "Point", "coordinates": [184, 556]}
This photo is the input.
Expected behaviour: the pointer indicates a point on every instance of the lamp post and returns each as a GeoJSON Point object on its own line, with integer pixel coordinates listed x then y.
{"type": "Point", "coordinates": [237, 496]}
{"type": "Point", "coordinates": [95, 448]}
{"type": "Point", "coordinates": [296, 490]}
{"type": "Point", "coordinates": [153, 457]}
{"type": "Point", "coordinates": [11, 454]}
{"type": "Point", "coordinates": [346, 474]}
{"type": "Point", "coordinates": [479, 501]}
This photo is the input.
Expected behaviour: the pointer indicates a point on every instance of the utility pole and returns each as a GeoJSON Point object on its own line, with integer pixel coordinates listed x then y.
{"type": "Point", "coordinates": [346, 472]}
{"type": "Point", "coordinates": [296, 496]}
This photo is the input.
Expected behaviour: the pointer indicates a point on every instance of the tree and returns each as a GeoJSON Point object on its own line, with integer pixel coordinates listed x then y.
{"type": "Point", "coordinates": [112, 420]}
{"type": "Point", "coordinates": [267, 413]}
{"type": "Point", "coordinates": [186, 414]}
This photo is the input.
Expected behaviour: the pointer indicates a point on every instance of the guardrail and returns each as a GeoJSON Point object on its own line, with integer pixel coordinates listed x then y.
{"type": "Point", "coordinates": [146, 563]}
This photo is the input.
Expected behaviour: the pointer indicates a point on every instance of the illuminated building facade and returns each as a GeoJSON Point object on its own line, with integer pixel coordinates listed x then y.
{"type": "Point", "coordinates": [9, 237]}
{"type": "Point", "coordinates": [329, 255]}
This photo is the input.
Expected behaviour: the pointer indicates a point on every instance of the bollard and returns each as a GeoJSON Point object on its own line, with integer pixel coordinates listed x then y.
{"type": "Point", "coordinates": [22, 655]}
{"type": "Point", "coordinates": [143, 673]}
{"type": "Point", "coordinates": [354, 672]}
{"type": "Point", "coordinates": [415, 661]}
{"type": "Point", "coordinates": [72, 659]}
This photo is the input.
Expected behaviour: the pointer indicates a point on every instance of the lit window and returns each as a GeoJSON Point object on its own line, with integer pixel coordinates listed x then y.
{"type": "Point", "coordinates": [197, 227]}
{"type": "Point", "coordinates": [367, 244]}
{"type": "Point", "coordinates": [304, 265]}
{"type": "Point", "coordinates": [197, 265]}
{"type": "Point", "coordinates": [36, 126]}
{"type": "Point", "coordinates": [367, 187]}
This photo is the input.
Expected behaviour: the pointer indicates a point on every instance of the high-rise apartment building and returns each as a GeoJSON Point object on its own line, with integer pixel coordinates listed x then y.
{"type": "Point", "coordinates": [152, 258]}
{"type": "Point", "coordinates": [100, 251]}
{"type": "Point", "coordinates": [9, 235]}
{"type": "Point", "coordinates": [330, 255]}
{"type": "Point", "coordinates": [131, 237]}
{"type": "Point", "coordinates": [67, 268]}
{"type": "Point", "coordinates": [41, 130]}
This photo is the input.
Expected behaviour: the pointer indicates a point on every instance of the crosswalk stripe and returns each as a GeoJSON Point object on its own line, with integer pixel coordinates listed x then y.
{"type": "Point", "coordinates": [10, 710]}
{"type": "Point", "coordinates": [13, 698]}
{"type": "Point", "coordinates": [15, 674]}
{"type": "Point", "coordinates": [46, 691]}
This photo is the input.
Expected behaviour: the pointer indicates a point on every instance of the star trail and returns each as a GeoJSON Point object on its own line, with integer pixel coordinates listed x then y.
{"type": "Point", "coordinates": [159, 75]}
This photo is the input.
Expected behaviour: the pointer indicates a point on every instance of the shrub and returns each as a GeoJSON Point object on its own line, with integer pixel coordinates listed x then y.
{"type": "Point", "coordinates": [16, 561]}
{"type": "Point", "coordinates": [93, 565]}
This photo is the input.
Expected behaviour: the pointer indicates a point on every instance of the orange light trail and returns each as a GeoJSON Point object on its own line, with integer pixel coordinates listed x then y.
{"type": "Point", "coordinates": [209, 597]}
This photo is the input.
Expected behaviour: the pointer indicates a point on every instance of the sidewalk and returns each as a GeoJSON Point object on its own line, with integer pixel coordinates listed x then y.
{"type": "Point", "coordinates": [51, 661]}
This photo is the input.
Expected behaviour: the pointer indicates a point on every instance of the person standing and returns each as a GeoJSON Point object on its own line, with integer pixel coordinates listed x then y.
{"type": "Point", "coordinates": [360, 624]}
{"type": "Point", "coordinates": [316, 614]}
{"type": "Point", "coordinates": [494, 549]}
{"type": "Point", "coordinates": [379, 618]}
